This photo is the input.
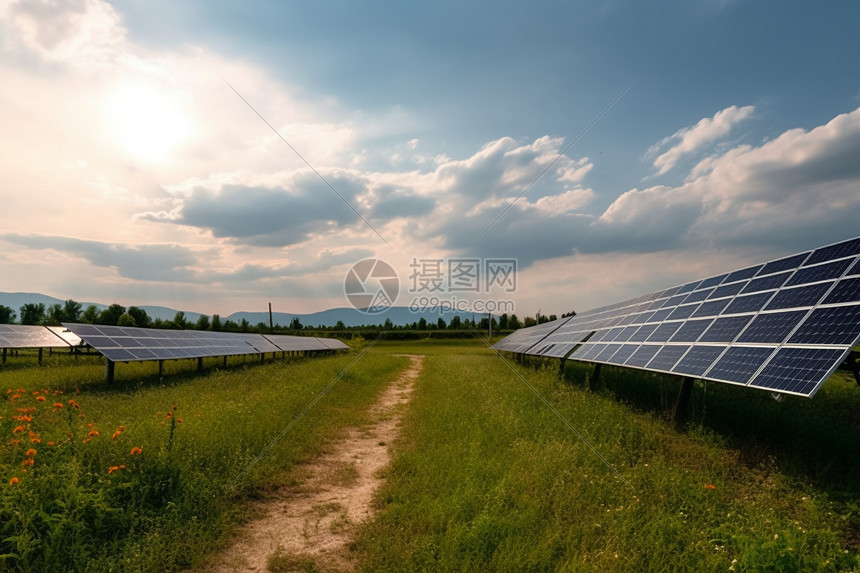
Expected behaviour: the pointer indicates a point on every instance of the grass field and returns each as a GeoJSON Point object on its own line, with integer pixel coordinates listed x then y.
{"type": "Point", "coordinates": [500, 467]}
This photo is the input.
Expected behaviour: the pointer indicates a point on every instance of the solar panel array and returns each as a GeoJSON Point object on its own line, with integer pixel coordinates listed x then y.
{"type": "Point", "coordinates": [132, 344]}
{"type": "Point", "coordinates": [26, 336]}
{"type": "Point", "coordinates": [783, 326]}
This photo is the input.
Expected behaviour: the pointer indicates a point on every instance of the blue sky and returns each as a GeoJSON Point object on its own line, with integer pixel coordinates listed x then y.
{"type": "Point", "coordinates": [131, 172]}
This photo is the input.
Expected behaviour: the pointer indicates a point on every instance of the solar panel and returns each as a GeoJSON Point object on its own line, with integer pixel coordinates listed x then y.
{"type": "Point", "coordinates": [131, 344]}
{"type": "Point", "coordinates": [27, 336]}
{"type": "Point", "coordinates": [783, 325]}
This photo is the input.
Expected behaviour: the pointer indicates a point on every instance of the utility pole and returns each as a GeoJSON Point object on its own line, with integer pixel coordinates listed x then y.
{"type": "Point", "coordinates": [271, 323]}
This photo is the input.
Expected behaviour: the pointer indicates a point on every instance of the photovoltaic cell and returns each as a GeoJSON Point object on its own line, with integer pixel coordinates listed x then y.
{"type": "Point", "coordinates": [798, 297]}
{"type": "Point", "coordinates": [697, 361]}
{"type": "Point", "coordinates": [727, 290]}
{"type": "Point", "coordinates": [773, 327]}
{"type": "Point", "coordinates": [689, 287]}
{"type": "Point", "coordinates": [848, 290]}
{"type": "Point", "coordinates": [692, 330]}
{"type": "Point", "coordinates": [799, 370]}
{"type": "Point", "coordinates": [665, 331]}
{"type": "Point", "coordinates": [835, 325]}
{"type": "Point", "coordinates": [698, 296]}
{"type": "Point", "coordinates": [837, 251]}
{"type": "Point", "coordinates": [713, 281]}
{"type": "Point", "coordinates": [766, 283]}
{"type": "Point", "coordinates": [786, 264]}
{"type": "Point", "coordinates": [748, 303]}
{"type": "Point", "coordinates": [855, 270]}
{"type": "Point", "coordinates": [819, 273]}
{"type": "Point", "coordinates": [623, 353]}
{"type": "Point", "coordinates": [739, 363]}
{"type": "Point", "coordinates": [711, 308]}
{"type": "Point", "coordinates": [643, 333]}
{"type": "Point", "coordinates": [746, 273]}
{"type": "Point", "coordinates": [667, 357]}
{"type": "Point", "coordinates": [683, 311]}
{"type": "Point", "coordinates": [725, 329]}
{"type": "Point", "coordinates": [643, 355]}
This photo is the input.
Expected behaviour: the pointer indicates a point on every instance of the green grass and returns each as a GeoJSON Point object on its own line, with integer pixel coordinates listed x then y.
{"type": "Point", "coordinates": [487, 478]}
{"type": "Point", "coordinates": [86, 503]}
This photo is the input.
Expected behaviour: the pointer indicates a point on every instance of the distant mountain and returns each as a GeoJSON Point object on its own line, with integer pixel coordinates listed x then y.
{"type": "Point", "coordinates": [399, 315]}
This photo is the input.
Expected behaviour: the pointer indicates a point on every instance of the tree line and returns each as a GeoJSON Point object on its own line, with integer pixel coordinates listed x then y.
{"type": "Point", "coordinates": [119, 315]}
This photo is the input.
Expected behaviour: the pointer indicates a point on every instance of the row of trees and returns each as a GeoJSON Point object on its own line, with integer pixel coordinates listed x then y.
{"type": "Point", "coordinates": [118, 315]}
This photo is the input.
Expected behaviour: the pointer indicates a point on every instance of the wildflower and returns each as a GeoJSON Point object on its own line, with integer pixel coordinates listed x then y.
{"type": "Point", "coordinates": [710, 486]}
{"type": "Point", "coordinates": [13, 481]}
{"type": "Point", "coordinates": [178, 420]}
{"type": "Point", "coordinates": [113, 469]}
{"type": "Point", "coordinates": [15, 442]}
{"type": "Point", "coordinates": [58, 406]}
{"type": "Point", "coordinates": [25, 410]}
{"type": "Point", "coordinates": [40, 398]}
{"type": "Point", "coordinates": [52, 443]}
{"type": "Point", "coordinates": [93, 433]}
{"type": "Point", "coordinates": [18, 429]}
{"type": "Point", "coordinates": [136, 450]}
{"type": "Point", "coordinates": [58, 392]}
{"type": "Point", "coordinates": [22, 418]}
{"type": "Point", "coordinates": [75, 404]}
{"type": "Point", "coordinates": [116, 435]}
{"type": "Point", "coordinates": [27, 462]}
{"type": "Point", "coordinates": [30, 453]}
{"type": "Point", "coordinates": [86, 440]}
{"type": "Point", "coordinates": [170, 414]}
{"type": "Point", "coordinates": [35, 441]}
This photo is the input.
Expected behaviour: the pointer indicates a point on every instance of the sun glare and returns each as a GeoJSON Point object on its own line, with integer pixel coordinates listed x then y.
{"type": "Point", "coordinates": [148, 123]}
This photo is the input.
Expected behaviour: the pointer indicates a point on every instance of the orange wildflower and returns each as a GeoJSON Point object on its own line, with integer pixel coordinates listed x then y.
{"type": "Point", "coordinates": [40, 398]}
{"type": "Point", "coordinates": [710, 486]}
{"type": "Point", "coordinates": [116, 435]}
{"type": "Point", "coordinates": [86, 440]}
{"type": "Point", "coordinates": [13, 481]}
{"type": "Point", "coordinates": [14, 442]}
{"type": "Point", "coordinates": [178, 420]}
{"type": "Point", "coordinates": [22, 418]}
{"type": "Point", "coordinates": [136, 450]}
{"type": "Point", "coordinates": [21, 390]}
{"type": "Point", "coordinates": [58, 392]}
{"type": "Point", "coordinates": [52, 443]}
{"type": "Point", "coordinates": [15, 396]}
{"type": "Point", "coordinates": [113, 469]}
{"type": "Point", "coordinates": [58, 405]}
{"type": "Point", "coordinates": [27, 462]}
{"type": "Point", "coordinates": [75, 404]}
{"type": "Point", "coordinates": [35, 441]}
{"type": "Point", "coordinates": [30, 453]}
{"type": "Point", "coordinates": [93, 433]}
{"type": "Point", "coordinates": [18, 429]}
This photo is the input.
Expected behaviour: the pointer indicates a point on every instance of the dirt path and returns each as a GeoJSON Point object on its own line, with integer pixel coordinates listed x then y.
{"type": "Point", "coordinates": [314, 523]}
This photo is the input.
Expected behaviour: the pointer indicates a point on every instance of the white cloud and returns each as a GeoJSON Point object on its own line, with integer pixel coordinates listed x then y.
{"type": "Point", "coordinates": [690, 139]}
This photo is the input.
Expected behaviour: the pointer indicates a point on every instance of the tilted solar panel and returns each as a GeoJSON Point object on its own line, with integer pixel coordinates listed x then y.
{"type": "Point", "coordinates": [783, 326]}
{"type": "Point", "coordinates": [27, 336]}
{"type": "Point", "coordinates": [131, 344]}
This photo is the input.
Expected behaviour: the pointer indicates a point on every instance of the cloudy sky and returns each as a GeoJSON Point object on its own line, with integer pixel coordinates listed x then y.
{"type": "Point", "coordinates": [215, 156]}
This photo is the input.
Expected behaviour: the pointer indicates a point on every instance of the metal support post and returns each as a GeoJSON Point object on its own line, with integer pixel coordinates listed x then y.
{"type": "Point", "coordinates": [682, 406]}
{"type": "Point", "coordinates": [110, 367]}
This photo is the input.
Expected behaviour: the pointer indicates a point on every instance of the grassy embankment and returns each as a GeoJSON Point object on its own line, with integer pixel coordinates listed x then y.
{"type": "Point", "coordinates": [487, 478]}
{"type": "Point", "coordinates": [148, 474]}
